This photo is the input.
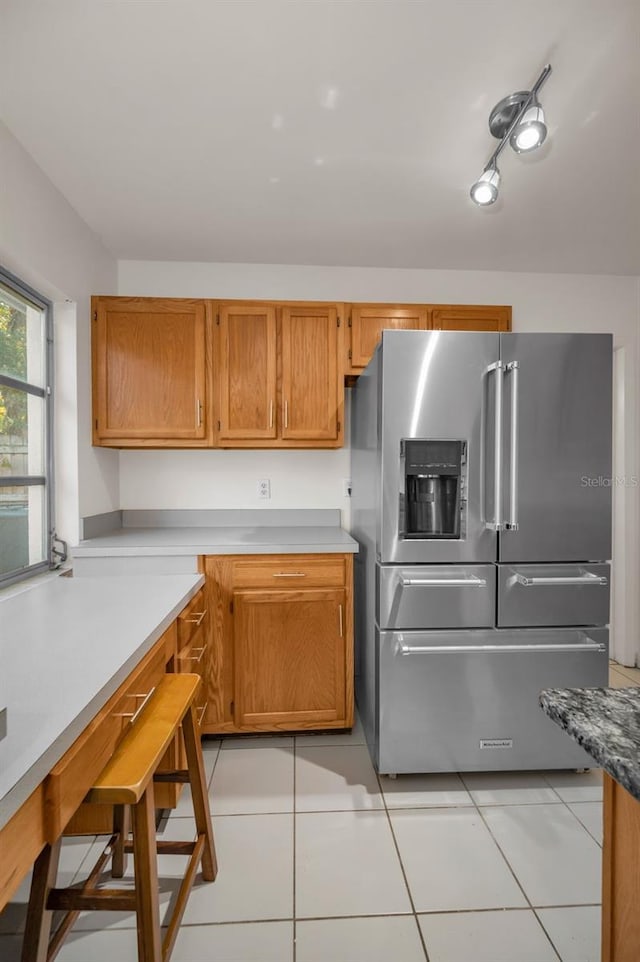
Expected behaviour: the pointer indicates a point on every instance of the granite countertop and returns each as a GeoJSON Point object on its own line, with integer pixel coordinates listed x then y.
{"type": "Point", "coordinates": [192, 532]}
{"type": "Point", "coordinates": [606, 722]}
{"type": "Point", "coordinates": [66, 646]}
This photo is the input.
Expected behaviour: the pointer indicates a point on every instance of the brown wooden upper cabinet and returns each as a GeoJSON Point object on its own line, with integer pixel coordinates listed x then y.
{"type": "Point", "coordinates": [280, 379]}
{"type": "Point", "coordinates": [247, 372]}
{"type": "Point", "coordinates": [151, 372]}
{"type": "Point", "coordinates": [467, 317]}
{"type": "Point", "coordinates": [367, 321]}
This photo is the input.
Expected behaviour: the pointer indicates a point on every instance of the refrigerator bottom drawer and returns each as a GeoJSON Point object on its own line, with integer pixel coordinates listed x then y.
{"type": "Point", "coordinates": [468, 701]}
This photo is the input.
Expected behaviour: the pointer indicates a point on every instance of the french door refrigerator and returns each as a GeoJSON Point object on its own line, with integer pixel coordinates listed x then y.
{"type": "Point", "coordinates": [481, 467]}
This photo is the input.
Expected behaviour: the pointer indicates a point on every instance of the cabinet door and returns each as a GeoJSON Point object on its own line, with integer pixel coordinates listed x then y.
{"type": "Point", "coordinates": [149, 369]}
{"type": "Point", "coordinates": [369, 320]}
{"type": "Point", "coordinates": [311, 392]}
{"type": "Point", "coordinates": [469, 317]}
{"type": "Point", "coordinates": [247, 371]}
{"type": "Point", "coordinates": [290, 658]}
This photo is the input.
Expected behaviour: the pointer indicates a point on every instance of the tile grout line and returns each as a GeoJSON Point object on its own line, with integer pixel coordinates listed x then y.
{"type": "Point", "coordinates": [402, 868]}
{"type": "Point", "coordinates": [506, 860]}
{"type": "Point", "coordinates": [567, 806]}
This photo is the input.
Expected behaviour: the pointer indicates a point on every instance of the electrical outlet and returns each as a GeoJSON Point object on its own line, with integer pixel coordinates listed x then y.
{"type": "Point", "coordinates": [264, 488]}
{"type": "Point", "coordinates": [347, 488]}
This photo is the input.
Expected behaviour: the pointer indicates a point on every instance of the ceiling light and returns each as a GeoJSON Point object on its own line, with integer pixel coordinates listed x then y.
{"type": "Point", "coordinates": [485, 189]}
{"type": "Point", "coordinates": [531, 130]}
{"type": "Point", "coordinates": [518, 120]}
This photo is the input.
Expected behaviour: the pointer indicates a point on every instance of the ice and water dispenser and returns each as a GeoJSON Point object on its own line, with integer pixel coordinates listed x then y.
{"type": "Point", "coordinates": [433, 487]}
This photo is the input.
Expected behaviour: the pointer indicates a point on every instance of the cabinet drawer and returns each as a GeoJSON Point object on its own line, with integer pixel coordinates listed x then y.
{"type": "Point", "coordinates": [323, 571]}
{"type": "Point", "coordinates": [70, 779]}
{"type": "Point", "coordinates": [191, 618]}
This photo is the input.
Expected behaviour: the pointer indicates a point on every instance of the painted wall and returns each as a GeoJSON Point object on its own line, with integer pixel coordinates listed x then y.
{"type": "Point", "coordinates": [46, 244]}
{"type": "Point", "coordinates": [541, 302]}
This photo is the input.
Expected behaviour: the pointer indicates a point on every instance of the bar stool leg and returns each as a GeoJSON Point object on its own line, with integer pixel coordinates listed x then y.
{"type": "Point", "coordinates": [199, 794]}
{"type": "Point", "coordinates": [121, 826]}
{"type": "Point", "coordinates": [146, 876]}
{"type": "Point", "coordinates": [37, 931]}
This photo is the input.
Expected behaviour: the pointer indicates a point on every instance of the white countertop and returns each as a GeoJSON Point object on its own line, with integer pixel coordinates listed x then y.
{"type": "Point", "coordinates": [66, 645]}
{"type": "Point", "coordinates": [247, 539]}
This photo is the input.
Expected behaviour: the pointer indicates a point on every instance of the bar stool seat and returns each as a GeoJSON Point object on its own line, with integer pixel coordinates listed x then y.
{"type": "Point", "coordinates": [127, 783]}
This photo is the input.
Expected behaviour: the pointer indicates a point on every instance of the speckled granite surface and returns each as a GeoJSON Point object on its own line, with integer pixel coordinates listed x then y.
{"type": "Point", "coordinates": [606, 722]}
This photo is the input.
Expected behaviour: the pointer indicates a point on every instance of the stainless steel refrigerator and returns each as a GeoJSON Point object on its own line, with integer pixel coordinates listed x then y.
{"type": "Point", "coordinates": [481, 467]}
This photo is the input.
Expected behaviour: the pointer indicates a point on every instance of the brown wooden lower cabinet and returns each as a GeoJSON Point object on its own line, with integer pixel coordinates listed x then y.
{"type": "Point", "coordinates": [281, 652]}
{"type": "Point", "coordinates": [620, 875]}
{"type": "Point", "coordinates": [182, 647]}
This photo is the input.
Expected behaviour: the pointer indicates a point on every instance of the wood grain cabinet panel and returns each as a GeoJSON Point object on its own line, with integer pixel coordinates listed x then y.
{"type": "Point", "coordinates": [311, 392]}
{"type": "Point", "coordinates": [150, 372]}
{"type": "Point", "coordinates": [469, 317]}
{"type": "Point", "coordinates": [247, 371]}
{"type": "Point", "coordinates": [367, 321]}
{"type": "Point", "coordinates": [282, 643]}
{"type": "Point", "coordinates": [620, 875]}
{"type": "Point", "coordinates": [290, 657]}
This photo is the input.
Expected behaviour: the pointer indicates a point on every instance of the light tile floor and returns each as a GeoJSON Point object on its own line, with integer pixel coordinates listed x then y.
{"type": "Point", "coordinates": [323, 861]}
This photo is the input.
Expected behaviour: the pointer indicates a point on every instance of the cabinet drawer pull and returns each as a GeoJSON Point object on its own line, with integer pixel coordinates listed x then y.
{"type": "Point", "coordinates": [199, 615]}
{"type": "Point", "coordinates": [340, 614]}
{"type": "Point", "coordinates": [202, 713]}
{"type": "Point", "coordinates": [199, 412]}
{"type": "Point", "coordinates": [289, 574]}
{"type": "Point", "coordinates": [286, 414]}
{"type": "Point", "coordinates": [270, 414]}
{"type": "Point", "coordinates": [134, 714]}
{"type": "Point", "coordinates": [197, 658]}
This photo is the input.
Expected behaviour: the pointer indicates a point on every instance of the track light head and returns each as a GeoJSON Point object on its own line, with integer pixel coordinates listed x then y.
{"type": "Point", "coordinates": [530, 131]}
{"type": "Point", "coordinates": [485, 189]}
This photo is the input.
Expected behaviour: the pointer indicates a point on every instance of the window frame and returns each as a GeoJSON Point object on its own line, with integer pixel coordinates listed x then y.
{"type": "Point", "coordinates": [47, 481]}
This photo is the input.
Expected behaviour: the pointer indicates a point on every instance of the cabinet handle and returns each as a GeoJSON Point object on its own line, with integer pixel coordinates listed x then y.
{"type": "Point", "coordinates": [199, 412]}
{"type": "Point", "coordinates": [289, 574]}
{"type": "Point", "coordinates": [271, 413]}
{"type": "Point", "coordinates": [340, 615]}
{"type": "Point", "coordinates": [197, 658]}
{"type": "Point", "coordinates": [286, 414]}
{"type": "Point", "coordinates": [134, 714]}
{"type": "Point", "coordinates": [199, 615]}
{"type": "Point", "coordinates": [202, 713]}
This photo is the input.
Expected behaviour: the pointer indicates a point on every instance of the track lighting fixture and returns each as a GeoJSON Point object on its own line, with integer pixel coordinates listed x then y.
{"type": "Point", "coordinates": [519, 120]}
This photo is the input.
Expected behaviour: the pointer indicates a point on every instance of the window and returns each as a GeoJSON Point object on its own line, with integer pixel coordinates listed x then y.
{"type": "Point", "coordinates": [26, 456]}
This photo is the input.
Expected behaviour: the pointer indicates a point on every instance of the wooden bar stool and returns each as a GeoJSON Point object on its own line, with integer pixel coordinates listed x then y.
{"type": "Point", "coordinates": [127, 783]}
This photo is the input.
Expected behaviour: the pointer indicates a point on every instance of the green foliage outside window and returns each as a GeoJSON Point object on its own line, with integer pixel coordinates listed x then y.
{"type": "Point", "coordinates": [13, 361]}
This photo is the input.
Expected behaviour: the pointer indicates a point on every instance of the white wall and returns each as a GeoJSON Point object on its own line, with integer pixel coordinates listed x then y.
{"type": "Point", "coordinates": [541, 302]}
{"type": "Point", "coordinates": [46, 244]}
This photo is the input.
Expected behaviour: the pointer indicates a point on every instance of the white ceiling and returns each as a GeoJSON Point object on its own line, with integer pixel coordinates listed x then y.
{"type": "Point", "coordinates": [335, 132]}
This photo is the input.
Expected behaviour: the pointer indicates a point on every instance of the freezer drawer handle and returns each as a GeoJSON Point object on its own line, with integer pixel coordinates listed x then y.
{"type": "Point", "coordinates": [584, 579]}
{"type": "Point", "coordinates": [404, 649]}
{"type": "Point", "coordinates": [443, 582]}
{"type": "Point", "coordinates": [497, 524]}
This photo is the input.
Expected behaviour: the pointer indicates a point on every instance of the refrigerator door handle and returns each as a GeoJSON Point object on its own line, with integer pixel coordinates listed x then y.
{"type": "Point", "coordinates": [512, 523]}
{"type": "Point", "coordinates": [586, 578]}
{"type": "Point", "coordinates": [472, 582]}
{"type": "Point", "coordinates": [402, 648]}
{"type": "Point", "coordinates": [497, 524]}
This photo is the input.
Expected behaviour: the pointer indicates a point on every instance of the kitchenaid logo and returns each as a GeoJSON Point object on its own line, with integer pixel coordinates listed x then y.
{"type": "Point", "coordinates": [496, 743]}
{"type": "Point", "coordinates": [602, 481]}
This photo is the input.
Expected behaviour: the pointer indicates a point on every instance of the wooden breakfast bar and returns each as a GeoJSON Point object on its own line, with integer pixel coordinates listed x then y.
{"type": "Point", "coordinates": [77, 656]}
